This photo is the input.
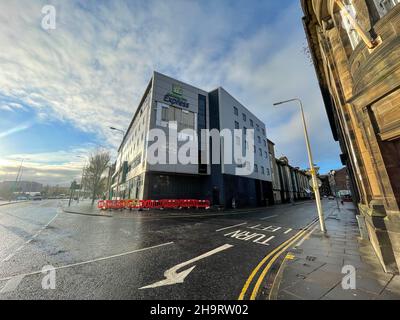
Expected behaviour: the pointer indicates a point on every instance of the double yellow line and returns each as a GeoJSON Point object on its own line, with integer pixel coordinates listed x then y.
{"type": "Point", "coordinates": [275, 254]}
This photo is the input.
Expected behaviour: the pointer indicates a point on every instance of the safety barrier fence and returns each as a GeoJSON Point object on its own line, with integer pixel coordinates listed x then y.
{"type": "Point", "coordinates": [153, 204]}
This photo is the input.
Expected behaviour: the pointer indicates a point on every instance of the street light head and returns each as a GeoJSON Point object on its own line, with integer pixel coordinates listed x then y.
{"type": "Point", "coordinates": [112, 128]}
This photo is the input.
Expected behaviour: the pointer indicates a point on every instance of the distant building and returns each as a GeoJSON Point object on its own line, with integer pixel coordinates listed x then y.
{"type": "Point", "coordinates": [21, 186]}
{"type": "Point", "coordinates": [355, 47]}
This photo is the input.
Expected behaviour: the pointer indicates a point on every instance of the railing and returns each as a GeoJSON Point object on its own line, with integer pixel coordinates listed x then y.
{"type": "Point", "coordinates": [153, 204]}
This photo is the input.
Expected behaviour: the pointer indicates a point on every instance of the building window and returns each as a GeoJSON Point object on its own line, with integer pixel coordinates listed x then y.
{"type": "Point", "coordinates": [251, 123]}
{"type": "Point", "coordinates": [236, 125]}
{"type": "Point", "coordinates": [258, 127]}
{"type": "Point", "coordinates": [235, 111]}
{"type": "Point", "coordinates": [237, 139]}
{"type": "Point", "coordinates": [384, 6]}
{"type": "Point", "coordinates": [268, 173]}
{"type": "Point", "coordinates": [263, 131]}
{"type": "Point", "coordinates": [259, 139]}
{"type": "Point", "coordinates": [244, 130]}
{"type": "Point", "coordinates": [244, 117]}
{"type": "Point", "coordinates": [255, 168]}
{"type": "Point", "coordinates": [260, 152]}
{"type": "Point", "coordinates": [255, 149]}
{"type": "Point", "coordinates": [266, 155]}
{"type": "Point", "coordinates": [265, 143]}
{"type": "Point", "coordinates": [348, 26]}
{"type": "Point", "coordinates": [262, 170]}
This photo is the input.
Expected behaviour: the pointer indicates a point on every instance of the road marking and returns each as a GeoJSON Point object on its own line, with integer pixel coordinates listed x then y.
{"type": "Point", "coordinates": [90, 261]}
{"type": "Point", "coordinates": [266, 218]}
{"type": "Point", "coordinates": [287, 231]}
{"type": "Point", "coordinates": [247, 236]}
{"type": "Point", "coordinates": [30, 240]}
{"type": "Point", "coordinates": [174, 277]}
{"type": "Point", "coordinates": [306, 237]}
{"type": "Point", "coordinates": [263, 261]}
{"type": "Point", "coordinates": [236, 225]}
{"type": "Point", "coordinates": [271, 262]}
{"type": "Point", "coordinates": [12, 284]}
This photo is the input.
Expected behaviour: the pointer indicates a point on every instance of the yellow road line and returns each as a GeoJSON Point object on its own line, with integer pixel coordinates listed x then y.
{"type": "Point", "coordinates": [254, 294]}
{"type": "Point", "coordinates": [254, 272]}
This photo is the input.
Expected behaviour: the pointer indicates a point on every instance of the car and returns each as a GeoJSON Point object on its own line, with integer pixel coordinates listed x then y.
{"type": "Point", "coordinates": [331, 198]}
{"type": "Point", "coordinates": [22, 198]}
{"type": "Point", "coordinates": [37, 197]}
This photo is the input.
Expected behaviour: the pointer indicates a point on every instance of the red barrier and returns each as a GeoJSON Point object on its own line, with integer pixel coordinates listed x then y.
{"type": "Point", "coordinates": [153, 204]}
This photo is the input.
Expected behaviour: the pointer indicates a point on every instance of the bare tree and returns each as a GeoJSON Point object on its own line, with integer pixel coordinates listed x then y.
{"type": "Point", "coordinates": [94, 180]}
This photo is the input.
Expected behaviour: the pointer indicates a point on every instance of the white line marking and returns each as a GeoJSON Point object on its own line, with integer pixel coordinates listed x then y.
{"type": "Point", "coordinates": [172, 276]}
{"type": "Point", "coordinates": [30, 240]}
{"type": "Point", "coordinates": [237, 225]}
{"type": "Point", "coordinates": [12, 284]}
{"type": "Point", "coordinates": [288, 230]}
{"type": "Point", "coordinates": [269, 217]}
{"type": "Point", "coordinates": [306, 237]}
{"type": "Point", "coordinates": [90, 261]}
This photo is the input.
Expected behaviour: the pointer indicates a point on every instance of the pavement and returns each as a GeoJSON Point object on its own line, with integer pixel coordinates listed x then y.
{"type": "Point", "coordinates": [315, 268]}
{"type": "Point", "coordinates": [147, 256]}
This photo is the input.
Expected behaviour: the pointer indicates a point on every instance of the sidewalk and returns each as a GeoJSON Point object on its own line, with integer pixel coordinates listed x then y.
{"type": "Point", "coordinates": [5, 203]}
{"type": "Point", "coordinates": [315, 269]}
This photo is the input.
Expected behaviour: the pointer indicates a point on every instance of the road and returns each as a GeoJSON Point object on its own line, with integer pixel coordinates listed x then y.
{"type": "Point", "coordinates": [211, 256]}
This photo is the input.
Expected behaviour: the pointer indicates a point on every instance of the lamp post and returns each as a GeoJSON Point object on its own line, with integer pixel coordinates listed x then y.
{"type": "Point", "coordinates": [332, 173]}
{"type": "Point", "coordinates": [19, 176]}
{"type": "Point", "coordinates": [311, 161]}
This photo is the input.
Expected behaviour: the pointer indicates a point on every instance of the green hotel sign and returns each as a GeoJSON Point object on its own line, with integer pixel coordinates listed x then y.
{"type": "Point", "coordinates": [175, 97]}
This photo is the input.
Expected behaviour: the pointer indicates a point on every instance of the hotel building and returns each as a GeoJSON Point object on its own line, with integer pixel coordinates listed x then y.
{"type": "Point", "coordinates": [168, 102]}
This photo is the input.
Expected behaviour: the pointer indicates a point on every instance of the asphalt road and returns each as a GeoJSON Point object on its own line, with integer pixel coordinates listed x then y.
{"type": "Point", "coordinates": [139, 257]}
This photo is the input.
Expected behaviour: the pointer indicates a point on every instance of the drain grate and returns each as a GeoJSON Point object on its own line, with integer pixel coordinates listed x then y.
{"type": "Point", "coordinates": [311, 258]}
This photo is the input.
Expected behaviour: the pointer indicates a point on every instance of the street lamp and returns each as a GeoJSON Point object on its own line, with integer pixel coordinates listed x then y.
{"type": "Point", "coordinates": [119, 130]}
{"type": "Point", "coordinates": [19, 174]}
{"type": "Point", "coordinates": [312, 167]}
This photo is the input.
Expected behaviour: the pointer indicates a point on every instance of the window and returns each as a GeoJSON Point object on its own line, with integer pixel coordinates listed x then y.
{"type": "Point", "coordinates": [236, 125]}
{"type": "Point", "coordinates": [263, 131]}
{"type": "Point", "coordinates": [259, 139]}
{"type": "Point", "coordinates": [260, 152]}
{"type": "Point", "coordinates": [258, 127]}
{"type": "Point", "coordinates": [255, 168]}
{"type": "Point", "coordinates": [384, 6]}
{"type": "Point", "coordinates": [348, 26]}
{"type": "Point", "coordinates": [237, 139]}
{"type": "Point", "coordinates": [255, 149]}
{"type": "Point", "coordinates": [251, 123]}
{"type": "Point", "coordinates": [262, 170]}
{"type": "Point", "coordinates": [244, 117]}
{"type": "Point", "coordinates": [265, 143]}
{"type": "Point", "coordinates": [235, 111]}
{"type": "Point", "coordinates": [266, 155]}
{"type": "Point", "coordinates": [244, 130]}
{"type": "Point", "coordinates": [268, 173]}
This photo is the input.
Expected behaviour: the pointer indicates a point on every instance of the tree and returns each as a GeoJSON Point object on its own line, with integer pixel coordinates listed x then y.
{"type": "Point", "coordinates": [93, 177]}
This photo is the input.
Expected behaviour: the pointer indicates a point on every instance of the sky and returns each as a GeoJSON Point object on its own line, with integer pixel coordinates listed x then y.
{"type": "Point", "coordinates": [61, 89]}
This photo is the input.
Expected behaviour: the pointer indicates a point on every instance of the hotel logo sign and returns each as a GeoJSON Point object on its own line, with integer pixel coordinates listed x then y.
{"type": "Point", "coordinates": [176, 97]}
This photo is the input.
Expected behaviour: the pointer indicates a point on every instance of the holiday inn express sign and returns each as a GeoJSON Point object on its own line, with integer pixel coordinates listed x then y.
{"type": "Point", "coordinates": [176, 98]}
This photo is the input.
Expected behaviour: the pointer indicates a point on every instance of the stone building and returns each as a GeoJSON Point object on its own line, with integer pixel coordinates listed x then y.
{"type": "Point", "coordinates": [289, 184]}
{"type": "Point", "coordinates": [355, 46]}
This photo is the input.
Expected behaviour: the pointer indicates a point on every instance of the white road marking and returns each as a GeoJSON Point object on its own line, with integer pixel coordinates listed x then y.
{"type": "Point", "coordinates": [173, 277]}
{"type": "Point", "coordinates": [247, 236]}
{"type": "Point", "coordinates": [269, 217]}
{"type": "Point", "coordinates": [306, 237]}
{"type": "Point", "coordinates": [89, 261]}
{"type": "Point", "coordinates": [30, 240]}
{"type": "Point", "coordinates": [12, 284]}
{"type": "Point", "coordinates": [237, 225]}
{"type": "Point", "coordinates": [287, 231]}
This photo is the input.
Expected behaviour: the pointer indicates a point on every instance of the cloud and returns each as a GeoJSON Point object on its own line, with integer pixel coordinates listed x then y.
{"type": "Point", "coordinates": [93, 69]}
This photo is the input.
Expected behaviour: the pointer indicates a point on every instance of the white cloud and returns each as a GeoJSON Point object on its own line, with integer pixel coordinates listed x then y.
{"type": "Point", "coordinates": [93, 69]}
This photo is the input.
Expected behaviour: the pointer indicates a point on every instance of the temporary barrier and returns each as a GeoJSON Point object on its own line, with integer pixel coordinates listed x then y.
{"type": "Point", "coordinates": [153, 204]}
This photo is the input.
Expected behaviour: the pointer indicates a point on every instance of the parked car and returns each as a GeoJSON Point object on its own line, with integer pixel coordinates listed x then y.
{"type": "Point", "coordinates": [331, 198]}
{"type": "Point", "coordinates": [22, 198]}
{"type": "Point", "coordinates": [37, 197]}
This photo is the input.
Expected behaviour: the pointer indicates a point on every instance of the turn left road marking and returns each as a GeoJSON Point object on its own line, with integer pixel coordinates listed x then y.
{"type": "Point", "coordinates": [172, 276]}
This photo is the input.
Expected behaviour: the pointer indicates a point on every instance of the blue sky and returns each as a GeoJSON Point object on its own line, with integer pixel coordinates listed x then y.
{"type": "Point", "coordinates": [61, 89]}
